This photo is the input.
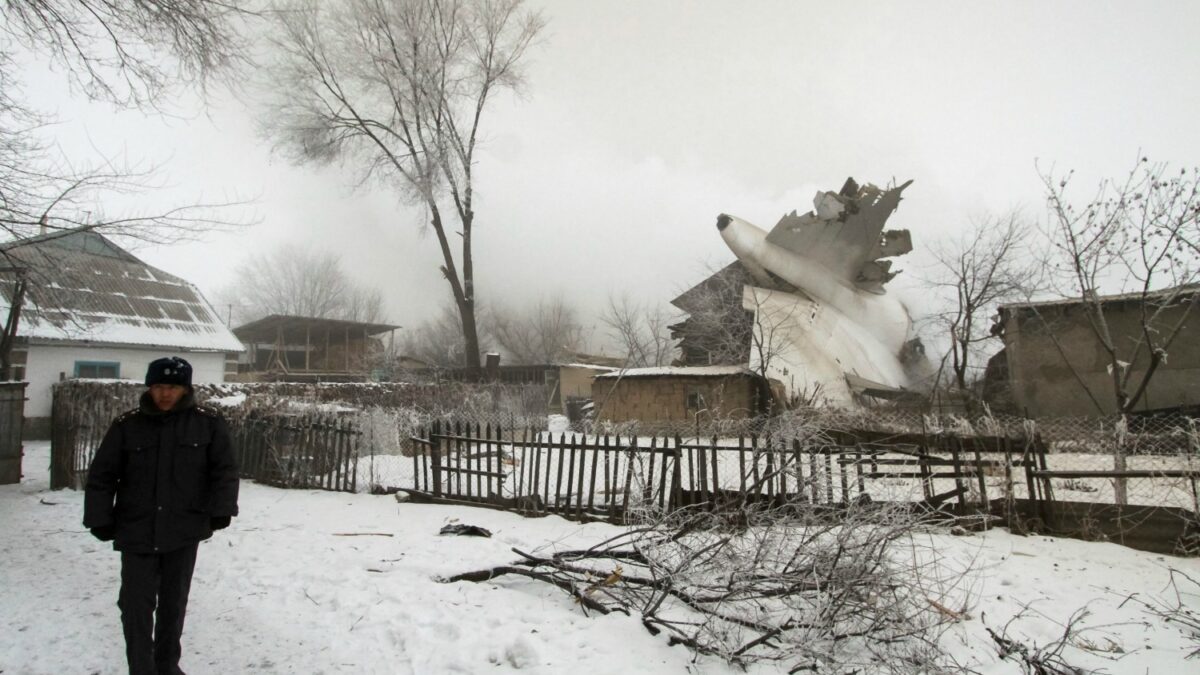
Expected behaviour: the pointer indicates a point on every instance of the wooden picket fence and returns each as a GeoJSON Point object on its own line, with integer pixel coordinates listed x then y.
{"type": "Point", "coordinates": [318, 451]}
{"type": "Point", "coordinates": [607, 477]}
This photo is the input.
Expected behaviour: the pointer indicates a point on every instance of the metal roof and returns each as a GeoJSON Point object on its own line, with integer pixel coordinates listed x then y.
{"type": "Point", "coordinates": [85, 288]}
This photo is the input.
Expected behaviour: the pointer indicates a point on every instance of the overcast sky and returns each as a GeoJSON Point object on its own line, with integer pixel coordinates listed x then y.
{"type": "Point", "coordinates": [644, 119]}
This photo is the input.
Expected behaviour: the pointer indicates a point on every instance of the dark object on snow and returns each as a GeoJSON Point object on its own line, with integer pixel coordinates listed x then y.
{"type": "Point", "coordinates": [466, 531]}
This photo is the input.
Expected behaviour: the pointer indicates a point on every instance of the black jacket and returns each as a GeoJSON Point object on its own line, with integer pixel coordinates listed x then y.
{"type": "Point", "coordinates": [159, 478]}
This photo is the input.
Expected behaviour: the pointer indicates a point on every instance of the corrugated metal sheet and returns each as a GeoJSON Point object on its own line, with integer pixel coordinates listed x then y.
{"type": "Point", "coordinates": [85, 288]}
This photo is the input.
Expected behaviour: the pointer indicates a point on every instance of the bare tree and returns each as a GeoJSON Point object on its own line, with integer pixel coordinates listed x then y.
{"type": "Point", "coordinates": [299, 281]}
{"type": "Point", "coordinates": [641, 331]}
{"type": "Point", "coordinates": [439, 340]}
{"type": "Point", "coordinates": [400, 89]}
{"type": "Point", "coordinates": [127, 52]}
{"type": "Point", "coordinates": [540, 334]}
{"type": "Point", "coordinates": [133, 52]}
{"type": "Point", "coordinates": [992, 262]}
{"type": "Point", "coordinates": [1132, 238]}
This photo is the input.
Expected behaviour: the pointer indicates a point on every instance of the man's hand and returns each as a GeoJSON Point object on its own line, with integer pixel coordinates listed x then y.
{"type": "Point", "coordinates": [219, 522]}
{"type": "Point", "coordinates": [104, 532]}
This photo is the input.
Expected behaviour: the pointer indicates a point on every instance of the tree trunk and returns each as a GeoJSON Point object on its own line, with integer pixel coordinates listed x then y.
{"type": "Point", "coordinates": [9, 337]}
{"type": "Point", "coordinates": [466, 312]}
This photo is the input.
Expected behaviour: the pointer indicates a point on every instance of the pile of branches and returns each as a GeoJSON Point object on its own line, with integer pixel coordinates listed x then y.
{"type": "Point", "coordinates": [845, 590]}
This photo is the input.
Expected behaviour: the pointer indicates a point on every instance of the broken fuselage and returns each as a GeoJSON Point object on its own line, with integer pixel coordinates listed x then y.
{"type": "Point", "coordinates": [820, 291]}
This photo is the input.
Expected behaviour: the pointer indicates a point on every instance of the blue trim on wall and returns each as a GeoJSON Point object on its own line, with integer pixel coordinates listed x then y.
{"type": "Point", "coordinates": [115, 365]}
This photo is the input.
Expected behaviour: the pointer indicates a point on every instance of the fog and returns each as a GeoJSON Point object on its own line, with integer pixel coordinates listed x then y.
{"type": "Point", "coordinates": [642, 120]}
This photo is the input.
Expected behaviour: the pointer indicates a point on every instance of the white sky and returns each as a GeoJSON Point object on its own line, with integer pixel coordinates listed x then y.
{"type": "Point", "coordinates": [644, 119]}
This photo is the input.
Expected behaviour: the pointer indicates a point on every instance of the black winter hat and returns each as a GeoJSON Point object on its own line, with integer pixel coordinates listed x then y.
{"type": "Point", "coordinates": [169, 370]}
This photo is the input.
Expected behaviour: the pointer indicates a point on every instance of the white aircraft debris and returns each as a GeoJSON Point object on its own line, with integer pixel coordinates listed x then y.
{"type": "Point", "coordinates": [820, 291]}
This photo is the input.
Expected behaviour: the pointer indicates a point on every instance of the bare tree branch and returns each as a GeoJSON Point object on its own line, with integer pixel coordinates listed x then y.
{"type": "Point", "coordinates": [398, 89]}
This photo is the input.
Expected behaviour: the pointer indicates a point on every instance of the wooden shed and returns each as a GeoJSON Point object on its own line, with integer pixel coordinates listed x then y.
{"type": "Point", "coordinates": [309, 349]}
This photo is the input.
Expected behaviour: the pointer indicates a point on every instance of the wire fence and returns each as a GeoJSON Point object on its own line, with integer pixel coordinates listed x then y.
{"type": "Point", "coordinates": [506, 448]}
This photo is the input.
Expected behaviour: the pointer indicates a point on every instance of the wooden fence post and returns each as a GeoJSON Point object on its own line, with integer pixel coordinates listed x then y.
{"type": "Point", "coordinates": [435, 450]}
{"type": "Point", "coordinates": [676, 479]}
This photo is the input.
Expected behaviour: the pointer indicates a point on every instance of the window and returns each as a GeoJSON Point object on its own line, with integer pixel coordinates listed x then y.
{"type": "Point", "coordinates": [109, 370]}
{"type": "Point", "coordinates": [694, 401]}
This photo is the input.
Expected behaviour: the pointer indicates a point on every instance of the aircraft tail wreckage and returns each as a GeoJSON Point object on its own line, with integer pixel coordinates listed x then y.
{"type": "Point", "coordinates": [819, 289]}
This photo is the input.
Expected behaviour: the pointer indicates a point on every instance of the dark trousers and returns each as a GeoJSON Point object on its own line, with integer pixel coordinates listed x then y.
{"type": "Point", "coordinates": [153, 600]}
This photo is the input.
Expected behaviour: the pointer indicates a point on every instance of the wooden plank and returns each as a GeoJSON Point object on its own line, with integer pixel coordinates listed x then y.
{"type": "Point", "coordinates": [676, 480]}
{"type": "Point", "coordinates": [570, 471]}
{"type": "Point", "coordinates": [742, 463]}
{"type": "Point", "coordinates": [814, 477]}
{"type": "Point", "coordinates": [755, 456]}
{"type": "Point", "coordinates": [522, 466]}
{"type": "Point", "coordinates": [579, 491]}
{"type": "Point", "coordinates": [1128, 473]}
{"type": "Point", "coordinates": [983, 494]}
{"type": "Point", "coordinates": [954, 443]}
{"type": "Point", "coordinates": [663, 501]}
{"type": "Point", "coordinates": [798, 460]}
{"type": "Point", "coordinates": [609, 483]}
{"type": "Point", "coordinates": [630, 454]}
{"type": "Point", "coordinates": [592, 480]}
{"type": "Point", "coordinates": [716, 475]}
{"type": "Point", "coordinates": [469, 472]}
{"type": "Point", "coordinates": [648, 487]}
{"type": "Point", "coordinates": [435, 460]}
{"type": "Point", "coordinates": [558, 483]}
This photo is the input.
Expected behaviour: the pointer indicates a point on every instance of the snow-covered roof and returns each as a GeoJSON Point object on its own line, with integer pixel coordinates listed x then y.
{"type": "Point", "coordinates": [588, 366]}
{"type": "Point", "coordinates": [84, 288]}
{"type": "Point", "coordinates": [680, 371]}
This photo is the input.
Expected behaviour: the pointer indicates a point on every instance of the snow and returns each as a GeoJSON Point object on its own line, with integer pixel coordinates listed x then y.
{"type": "Point", "coordinates": [692, 371]}
{"type": "Point", "coordinates": [131, 330]}
{"type": "Point", "coordinates": [281, 592]}
{"type": "Point", "coordinates": [589, 366]}
{"type": "Point", "coordinates": [230, 401]}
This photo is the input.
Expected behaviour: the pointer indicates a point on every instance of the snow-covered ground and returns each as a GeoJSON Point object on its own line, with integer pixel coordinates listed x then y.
{"type": "Point", "coordinates": [282, 592]}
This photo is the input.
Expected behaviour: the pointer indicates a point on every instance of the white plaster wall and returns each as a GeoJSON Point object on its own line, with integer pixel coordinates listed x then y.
{"type": "Point", "coordinates": [45, 362]}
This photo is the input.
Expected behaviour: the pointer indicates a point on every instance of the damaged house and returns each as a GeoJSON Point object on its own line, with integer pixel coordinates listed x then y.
{"type": "Point", "coordinates": [1053, 365]}
{"type": "Point", "coordinates": [807, 304]}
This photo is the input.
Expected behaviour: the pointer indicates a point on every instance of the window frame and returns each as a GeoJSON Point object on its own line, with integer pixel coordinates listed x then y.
{"type": "Point", "coordinates": [115, 365]}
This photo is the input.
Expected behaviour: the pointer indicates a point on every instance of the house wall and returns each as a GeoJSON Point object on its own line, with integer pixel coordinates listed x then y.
{"type": "Point", "coordinates": [1049, 379]}
{"type": "Point", "coordinates": [46, 362]}
{"type": "Point", "coordinates": [575, 382]}
{"type": "Point", "coordinates": [665, 398]}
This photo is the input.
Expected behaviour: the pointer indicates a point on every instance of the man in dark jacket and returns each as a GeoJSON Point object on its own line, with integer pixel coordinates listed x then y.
{"type": "Point", "coordinates": [162, 480]}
